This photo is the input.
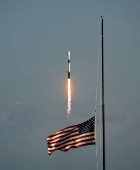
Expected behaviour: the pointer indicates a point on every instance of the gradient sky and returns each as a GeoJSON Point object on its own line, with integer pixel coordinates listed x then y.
{"type": "Point", "coordinates": [34, 39]}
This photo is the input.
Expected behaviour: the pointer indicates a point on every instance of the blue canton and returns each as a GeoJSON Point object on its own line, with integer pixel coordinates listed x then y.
{"type": "Point", "coordinates": [87, 126]}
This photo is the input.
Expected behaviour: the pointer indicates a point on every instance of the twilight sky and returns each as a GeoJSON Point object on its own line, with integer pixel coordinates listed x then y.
{"type": "Point", "coordinates": [34, 39]}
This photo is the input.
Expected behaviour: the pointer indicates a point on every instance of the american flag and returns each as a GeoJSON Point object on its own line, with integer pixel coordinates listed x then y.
{"type": "Point", "coordinates": [72, 137]}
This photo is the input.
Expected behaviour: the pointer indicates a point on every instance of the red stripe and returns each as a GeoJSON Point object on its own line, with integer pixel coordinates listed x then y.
{"type": "Point", "coordinates": [63, 135]}
{"type": "Point", "coordinates": [65, 132]}
{"type": "Point", "coordinates": [61, 131]}
{"type": "Point", "coordinates": [70, 140]}
{"type": "Point", "coordinates": [86, 140]}
{"type": "Point", "coordinates": [74, 142]}
{"type": "Point", "coordinates": [92, 143]}
{"type": "Point", "coordinates": [70, 147]}
{"type": "Point", "coordinates": [49, 142]}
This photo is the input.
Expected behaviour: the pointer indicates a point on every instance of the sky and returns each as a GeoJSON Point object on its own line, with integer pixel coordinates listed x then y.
{"type": "Point", "coordinates": [34, 39]}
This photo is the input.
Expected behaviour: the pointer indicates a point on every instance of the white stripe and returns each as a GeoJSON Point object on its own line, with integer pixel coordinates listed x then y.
{"type": "Point", "coordinates": [76, 140]}
{"type": "Point", "coordinates": [70, 138]}
{"type": "Point", "coordinates": [62, 133]}
{"type": "Point", "coordinates": [63, 138]}
{"type": "Point", "coordinates": [65, 129]}
{"type": "Point", "coordinates": [78, 144]}
{"type": "Point", "coordinates": [73, 142]}
{"type": "Point", "coordinates": [82, 143]}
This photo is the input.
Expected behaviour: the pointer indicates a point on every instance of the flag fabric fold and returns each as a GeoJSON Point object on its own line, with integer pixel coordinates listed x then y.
{"type": "Point", "coordinates": [72, 137]}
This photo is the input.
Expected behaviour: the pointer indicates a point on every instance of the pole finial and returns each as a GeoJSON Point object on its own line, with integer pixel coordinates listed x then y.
{"type": "Point", "coordinates": [102, 17]}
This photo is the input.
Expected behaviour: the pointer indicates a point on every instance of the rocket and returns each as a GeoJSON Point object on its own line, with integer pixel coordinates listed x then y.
{"type": "Point", "coordinates": [68, 64]}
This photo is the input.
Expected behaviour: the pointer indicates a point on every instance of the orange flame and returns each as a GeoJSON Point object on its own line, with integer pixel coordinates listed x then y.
{"type": "Point", "coordinates": [69, 98]}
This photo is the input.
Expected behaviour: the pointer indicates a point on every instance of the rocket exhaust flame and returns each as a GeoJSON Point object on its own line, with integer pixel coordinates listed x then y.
{"type": "Point", "coordinates": [69, 99]}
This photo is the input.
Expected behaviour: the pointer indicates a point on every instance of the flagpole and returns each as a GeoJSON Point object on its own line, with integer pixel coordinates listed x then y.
{"type": "Point", "coordinates": [103, 107]}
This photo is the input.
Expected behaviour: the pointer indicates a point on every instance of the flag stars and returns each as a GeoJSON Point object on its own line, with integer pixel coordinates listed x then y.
{"type": "Point", "coordinates": [87, 126]}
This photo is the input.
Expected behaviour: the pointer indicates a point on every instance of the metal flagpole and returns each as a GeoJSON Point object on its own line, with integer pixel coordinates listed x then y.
{"type": "Point", "coordinates": [103, 107]}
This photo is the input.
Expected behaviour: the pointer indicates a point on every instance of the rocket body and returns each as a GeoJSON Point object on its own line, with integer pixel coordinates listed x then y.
{"type": "Point", "coordinates": [68, 64]}
{"type": "Point", "coordinates": [69, 86]}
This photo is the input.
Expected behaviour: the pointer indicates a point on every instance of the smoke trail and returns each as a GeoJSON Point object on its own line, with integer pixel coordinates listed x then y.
{"type": "Point", "coordinates": [69, 99]}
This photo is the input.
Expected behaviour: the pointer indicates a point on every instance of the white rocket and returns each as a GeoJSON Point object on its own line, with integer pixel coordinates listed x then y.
{"type": "Point", "coordinates": [68, 64]}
